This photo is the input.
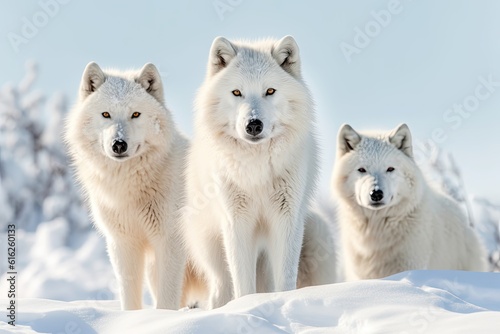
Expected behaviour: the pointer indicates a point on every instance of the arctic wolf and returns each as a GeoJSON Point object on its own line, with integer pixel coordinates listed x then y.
{"type": "Point", "coordinates": [391, 220]}
{"type": "Point", "coordinates": [129, 157]}
{"type": "Point", "coordinates": [252, 169]}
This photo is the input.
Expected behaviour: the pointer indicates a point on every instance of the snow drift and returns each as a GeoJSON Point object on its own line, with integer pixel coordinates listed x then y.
{"type": "Point", "coordinates": [410, 302]}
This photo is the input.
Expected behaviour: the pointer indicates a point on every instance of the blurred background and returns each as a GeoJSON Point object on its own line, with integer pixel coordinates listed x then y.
{"type": "Point", "coordinates": [432, 64]}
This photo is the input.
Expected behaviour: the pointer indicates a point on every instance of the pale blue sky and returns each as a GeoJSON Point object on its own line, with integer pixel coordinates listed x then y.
{"type": "Point", "coordinates": [426, 59]}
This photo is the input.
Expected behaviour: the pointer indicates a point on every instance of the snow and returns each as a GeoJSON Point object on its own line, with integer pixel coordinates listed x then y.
{"type": "Point", "coordinates": [254, 115]}
{"type": "Point", "coordinates": [410, 302]}
{"type": "Point", "coordinates": [120, 132]}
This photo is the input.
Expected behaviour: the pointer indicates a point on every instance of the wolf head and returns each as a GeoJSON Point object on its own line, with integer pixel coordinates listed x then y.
{"type": "Point", "coordinates": [119, 115]}
{"type": "Point", "coordinates": [254, 91]}
{"type": "Point", "coordinates": [376, 171]}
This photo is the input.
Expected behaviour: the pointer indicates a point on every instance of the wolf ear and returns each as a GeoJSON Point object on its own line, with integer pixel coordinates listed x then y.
{"type": "Point", "coordinates": [347, 140]}
{"type": "Point", "coordinates": [150, 79]}
{"type": "Point", "coordinates": [92, 78]}
{"type": "Point", "coordinates": [401, 138]}
{"type": "Point", "coordinates": [286, 53]}
{"type": "Point", "coordinates": [221, 53]}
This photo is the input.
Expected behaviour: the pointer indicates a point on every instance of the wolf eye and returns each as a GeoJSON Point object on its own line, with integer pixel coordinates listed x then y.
{"type": "Point", "coordinates": [136, 114]}
{"type": "Point", "coordinates": [236, 92]}
{"type": "Point", "coordinates": [270, 91]}
{"type": "Point", "coordinates": [106, 114]}
{"type": "Point", "coordinates": [362, 170]}
{"type": "Point", "coordinates": [390, 169]}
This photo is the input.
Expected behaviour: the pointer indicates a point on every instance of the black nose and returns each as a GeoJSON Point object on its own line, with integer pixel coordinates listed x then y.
{"type": "Point", "coordinates": [255, 127]}
{"type": "Point", "coordinates": [377, 195]}
{"type": "Point", "coordinates": [119, 146]}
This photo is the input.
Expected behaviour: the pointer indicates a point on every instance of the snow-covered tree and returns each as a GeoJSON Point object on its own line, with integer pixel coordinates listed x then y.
{"type": "Point", "coordinates": [36, 182]}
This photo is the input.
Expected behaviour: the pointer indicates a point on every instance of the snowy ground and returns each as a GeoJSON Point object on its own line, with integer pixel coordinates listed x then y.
{"type": "Point", "coordinates": [410, 302]}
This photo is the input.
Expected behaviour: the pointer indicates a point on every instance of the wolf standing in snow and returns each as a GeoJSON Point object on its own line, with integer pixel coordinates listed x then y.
{"type": "Point", "coordinates": [252, 169]}
{"type": "Point", "coordinates": [391, 220]}
{"type": "Point", "coordinates": [129, 157]}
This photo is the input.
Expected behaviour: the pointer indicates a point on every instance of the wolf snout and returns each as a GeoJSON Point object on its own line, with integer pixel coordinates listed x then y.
{"type": "Point", "coordinates": [376, 195]}
{"type": "Point", "coordinates": [119, 146]}
{"type": "Point", "coordinates": [254, 127]}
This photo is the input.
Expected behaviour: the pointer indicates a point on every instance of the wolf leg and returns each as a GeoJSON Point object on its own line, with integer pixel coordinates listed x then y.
{"type": "Point", "coordinates": [241, 255]}
{"type": "Point", "coordinates": [127, 258]}
{"type": "Point", "coordinates": [286, 235]}
{"type": "Point", "coordinates": [169, 263]}
{"type": "Point", "coordinates": [219, 280]}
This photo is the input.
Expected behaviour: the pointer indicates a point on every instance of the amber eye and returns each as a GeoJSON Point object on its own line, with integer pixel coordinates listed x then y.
{"type": "Point", "coordinates": [136, 114]}
{"type": "Point", "coordinates": [236, 92]}
{"type": "Point", "coordinates": [270, 91]}
{"type": "Point", "coordinates": [362, 170]}
{"type": "Point", "coordinates": [106, 114]}
{"type": "Point", "coordinates": [390, 169]}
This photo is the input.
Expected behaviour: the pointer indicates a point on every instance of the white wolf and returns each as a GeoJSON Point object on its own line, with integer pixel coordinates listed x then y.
{"type": "Point", "coordinates": [391, 220]}
{"type": "Point", "coordinates": [129, 157]}
{"type": "Point", "coordinates": [252, 169]}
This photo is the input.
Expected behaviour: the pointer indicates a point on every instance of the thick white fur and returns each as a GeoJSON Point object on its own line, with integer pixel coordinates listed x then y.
{"type": "Point", "coordinates": [318, 257]}
{"type": "Point", "coordinates": [318, 262]}
{"type": "Point", "coordinates": [134, 200]}
{"type": "Point", "coordinates": [413, 227]}
{"type": "Point", "coordinates": [247, 200]}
